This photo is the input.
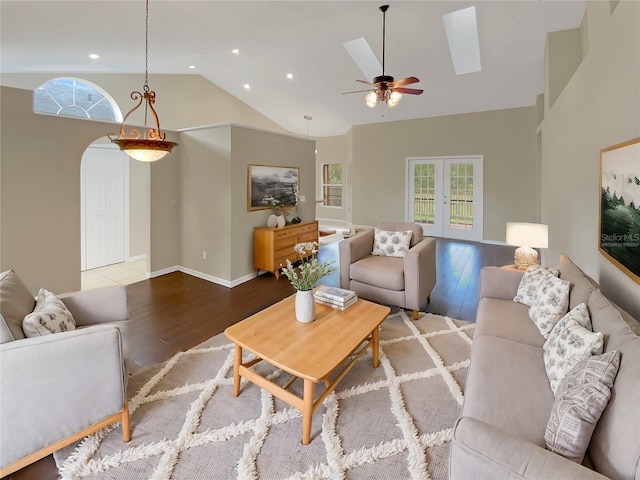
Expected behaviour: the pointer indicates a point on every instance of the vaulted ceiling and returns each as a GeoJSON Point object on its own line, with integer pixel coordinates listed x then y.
{"type": "Point", "coordinates": [301, 38]}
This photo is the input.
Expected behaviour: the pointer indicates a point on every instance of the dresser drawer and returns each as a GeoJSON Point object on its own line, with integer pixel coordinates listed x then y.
{"type": "Point", "coordinates": [285, 251]}
{"type": "Point", "coordinates": [284, 233]}
{"type": "Point", "coordinates": [287, 242]}
{"type": "Point", "coordinates": [311, 228]}
{"type": "Point", "coordinates": [308, 237]}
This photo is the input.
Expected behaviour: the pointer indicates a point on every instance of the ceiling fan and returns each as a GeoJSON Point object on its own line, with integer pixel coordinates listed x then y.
{"type": "Point", "coordinates": [385, 88]}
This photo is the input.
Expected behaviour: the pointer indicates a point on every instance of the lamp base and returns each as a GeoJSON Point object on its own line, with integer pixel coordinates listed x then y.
{"type": "Point", "coordinates": [525, 257]}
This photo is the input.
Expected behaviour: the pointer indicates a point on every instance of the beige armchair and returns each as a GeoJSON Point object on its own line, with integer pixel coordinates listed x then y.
{"type": "Point", "coordinates": [57, 388]}
{"type": "Point", "coordinates": [403, 282]}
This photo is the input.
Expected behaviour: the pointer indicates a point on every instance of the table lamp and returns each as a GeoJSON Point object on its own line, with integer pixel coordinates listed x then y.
{"type": "Point", "coordinates": [527, 236]}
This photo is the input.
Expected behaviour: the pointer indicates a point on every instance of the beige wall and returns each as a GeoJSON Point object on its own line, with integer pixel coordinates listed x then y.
{"type": "Point", "coordinates": [183, 101]}
{"type": "Point", "coordinates": [599, 107]}
{"type": "Point", "coordinates": [182, 203]}
{"type": "Point", "coordinates": [334, 150]}
{"type": "Point", "coordinates": [205, 173]}
{"type": "Point", "coordinates": [138, 208]}
{"type": "Point", "coordinates": [250, 146]}
{"type": "Point", "coordinates": [506, 139]}
{"type": "Point", "coordinates": [40, 179]}
{"type": "Point", "coordinates": [215, 218]}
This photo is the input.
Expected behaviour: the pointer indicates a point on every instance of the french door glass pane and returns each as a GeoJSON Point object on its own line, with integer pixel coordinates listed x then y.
{"type": "Point", "coordinates": [461, 196]}
{"type": "Point", "coordinates": [424, 194]}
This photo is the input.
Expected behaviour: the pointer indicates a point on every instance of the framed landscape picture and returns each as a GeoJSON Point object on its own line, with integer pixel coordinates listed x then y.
{"type": "Point", "coordinates": [269, 182]}
{"type": "Point", "coordinates": [619, 225]}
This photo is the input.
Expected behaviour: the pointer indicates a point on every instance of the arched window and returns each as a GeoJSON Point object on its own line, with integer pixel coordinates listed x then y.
{"type": "Point", "coordinates": [72, 97]}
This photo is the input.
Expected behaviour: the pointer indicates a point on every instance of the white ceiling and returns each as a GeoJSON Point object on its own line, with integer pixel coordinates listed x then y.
{"type": "Point", "coordinates": [300, 37]}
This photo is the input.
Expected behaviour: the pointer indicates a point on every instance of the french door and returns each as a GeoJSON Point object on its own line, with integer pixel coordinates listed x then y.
{"type": "Point", "coordinates": [444, 195]}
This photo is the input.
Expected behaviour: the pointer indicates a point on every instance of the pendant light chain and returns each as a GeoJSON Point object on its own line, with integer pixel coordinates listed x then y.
{"type": "Point", "coordinates": [146, 144]}
{"type": "Point", "coordinates": [146, 49]}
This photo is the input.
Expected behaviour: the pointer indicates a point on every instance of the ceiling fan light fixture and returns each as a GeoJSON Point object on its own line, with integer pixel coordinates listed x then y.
{"type": "Point", "coordinates": [386, 88]}
{"type": "Point", "coordinates": [394, 99]}
{"type": "Point", "coordinates": [371, 99]}
{"type": "Point", "coordinates": [146, 144]}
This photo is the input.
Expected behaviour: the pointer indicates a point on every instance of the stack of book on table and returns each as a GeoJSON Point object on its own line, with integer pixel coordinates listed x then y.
{"type": "Point", "coordinates": [335, 297]}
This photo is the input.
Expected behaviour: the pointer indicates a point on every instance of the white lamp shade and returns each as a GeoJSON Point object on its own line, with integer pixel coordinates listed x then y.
{"type": "Point", "coordinates": [535, 235]}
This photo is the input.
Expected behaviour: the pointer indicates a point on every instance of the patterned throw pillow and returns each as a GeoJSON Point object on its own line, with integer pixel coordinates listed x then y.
{"type": "Point", "coordinates": [582, 397]}
{"type": "Point", "coordinates": [391, 244]}
{"type": "Point", "coordinates": [49, 316]}
{"type": "Point", "coordinates": [574, 343]}
{"type": "Point", "coordinates": [531, 280]}
{"type": "Point", "coordinates": [580, 313]}
{"type": "Point", "coordinates": [550, 303]}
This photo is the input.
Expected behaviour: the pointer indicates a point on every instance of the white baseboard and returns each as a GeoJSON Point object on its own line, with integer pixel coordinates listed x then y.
{"type": "Point", "coordinates": [136, 258]}
{"type": "Point", "coordinates": [204, 276]}
{"type": "Point", "coordinates": [164, 271]}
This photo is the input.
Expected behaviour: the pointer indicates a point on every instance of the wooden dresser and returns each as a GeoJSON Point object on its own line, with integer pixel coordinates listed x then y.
{"type": "Point", "coordinates": [273, 246]}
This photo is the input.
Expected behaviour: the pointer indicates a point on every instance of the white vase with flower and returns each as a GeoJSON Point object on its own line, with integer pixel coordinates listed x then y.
{"type": "Point", "coordinates": [277, 219]}
{"type": "Point", "coordinates": [304, 277]}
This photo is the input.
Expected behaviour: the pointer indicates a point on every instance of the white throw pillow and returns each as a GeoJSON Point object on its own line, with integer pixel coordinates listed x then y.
{"type": "Point", "coordinates": [574, 343]}
{"type": "Point", "coordinates": [530, 281]}
{"type": "Point", "coordinates": [391, 244]}
{"type": "Point", "coordinates": [580, 313]}
{"type": "Point", "coordinates": [50, 315]}
{"type": "Point", "coordinates": [550, 303]}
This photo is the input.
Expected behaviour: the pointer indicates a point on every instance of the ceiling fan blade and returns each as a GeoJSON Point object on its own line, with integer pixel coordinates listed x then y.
{"type": "Point", "coordinates": [364, 81]}
{"type": "Point", "coordinates": [409, 91]}
{"type": "Point", "coordinates": [406, 81]}
{"type": "Point", "coordinates": [357, 91]}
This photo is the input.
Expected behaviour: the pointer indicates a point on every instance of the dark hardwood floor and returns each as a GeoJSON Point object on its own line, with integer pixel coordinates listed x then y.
{"type": "Point", "coordinates": [175, 312]}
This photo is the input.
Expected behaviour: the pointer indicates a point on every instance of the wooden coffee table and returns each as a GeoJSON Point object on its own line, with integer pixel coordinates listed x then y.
{"type": "Point", "coordinates": [310, 351]}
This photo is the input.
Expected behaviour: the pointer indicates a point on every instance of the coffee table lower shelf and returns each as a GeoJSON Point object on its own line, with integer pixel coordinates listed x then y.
{"type": "Point", "coordinates": [305, 404]}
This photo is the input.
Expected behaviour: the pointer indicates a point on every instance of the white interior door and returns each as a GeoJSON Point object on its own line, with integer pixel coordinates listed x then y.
{"type": "Point", "coordinates": [103, 213]}
{"type": "Point", "coordinates": [444, 195]}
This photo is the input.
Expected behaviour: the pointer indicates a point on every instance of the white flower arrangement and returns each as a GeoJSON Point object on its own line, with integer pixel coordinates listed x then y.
{"type": "Point", "coordinates": [273, 202]}
{"type": "Point", "coordinates": [305, 276]}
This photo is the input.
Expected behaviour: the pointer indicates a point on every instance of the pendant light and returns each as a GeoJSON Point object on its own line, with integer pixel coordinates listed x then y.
{"type": "Point", "coordinates": [149, 144]}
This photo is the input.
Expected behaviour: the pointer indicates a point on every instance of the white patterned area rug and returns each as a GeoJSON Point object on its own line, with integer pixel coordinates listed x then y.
{"type": "Point", "coordinates": [393, 422]}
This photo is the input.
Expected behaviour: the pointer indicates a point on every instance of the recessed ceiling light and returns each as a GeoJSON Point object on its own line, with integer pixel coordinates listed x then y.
{"type": "Point", "coordinates": [192, 66]}
{"type": "Point", "coordinates": [235, 51]}
{"type": "Point", "coordinates": [289, 76]}
{"type": "Point", "coordinates": [94, 56]}
{"type": "Point", "coordinates": [247, 86]}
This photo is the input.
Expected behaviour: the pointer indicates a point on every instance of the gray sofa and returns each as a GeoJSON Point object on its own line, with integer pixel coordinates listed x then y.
{"type": "Point", "coordinates": [508, 400]}
{"type": "Point", "coordinates": [57, 388]}
{"type": "Point", "coordinates": [403, 282]}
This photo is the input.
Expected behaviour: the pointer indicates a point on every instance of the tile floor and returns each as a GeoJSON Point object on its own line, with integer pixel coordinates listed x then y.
{"type": "Point", "coordinates": [116, 274]}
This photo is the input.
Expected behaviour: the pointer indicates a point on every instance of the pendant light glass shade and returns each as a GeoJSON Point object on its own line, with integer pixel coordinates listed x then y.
{"type": "Point", "coordinates": [394, 99]}
{"type": "Point", "coordinates": [371, 100]}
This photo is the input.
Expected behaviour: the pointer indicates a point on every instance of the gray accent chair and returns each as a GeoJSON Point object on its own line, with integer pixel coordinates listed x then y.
{"type": "Point", "coordinates": [58, 388]}
{"type": "Point", "coordinates": [402, 282]}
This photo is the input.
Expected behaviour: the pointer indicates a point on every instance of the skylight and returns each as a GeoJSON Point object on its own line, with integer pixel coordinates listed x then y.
{"type": "Point", "coordinates": [462, 35]}
{"type": "Point", "coordinates": [364, 57]}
